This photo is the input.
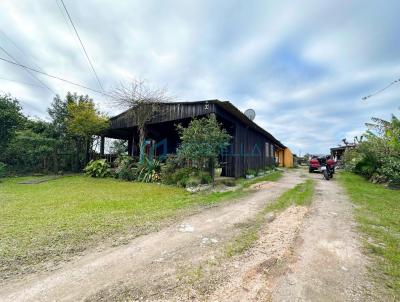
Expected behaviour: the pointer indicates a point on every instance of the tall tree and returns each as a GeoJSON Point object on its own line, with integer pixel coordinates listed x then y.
{"type": "Point", "coordinates": [58, 112]}
{"type": "Point", "coordinates": [143, 103]}
{"type": "Point", "coordinates": [84, 121]}
{"type": "Point", "coordinates": [11, 119]}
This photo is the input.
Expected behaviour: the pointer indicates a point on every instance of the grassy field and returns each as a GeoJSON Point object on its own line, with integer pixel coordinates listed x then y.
{"type": "Point", "coordinates": [378, 215]}
{"type": "Point", "coordinates": [301, 194]}
{"type": "Point", "coordinates": [61, 218]}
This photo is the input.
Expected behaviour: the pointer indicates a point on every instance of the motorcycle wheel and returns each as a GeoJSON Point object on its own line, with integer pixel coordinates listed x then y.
{"type": "Point", "coordinates": [326, 175]}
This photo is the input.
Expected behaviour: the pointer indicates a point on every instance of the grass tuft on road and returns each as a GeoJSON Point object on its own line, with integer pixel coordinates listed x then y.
{"type": "Point", "coordinates": [300, 195]}
{"type": "Point", "coordinates": [378, 215]}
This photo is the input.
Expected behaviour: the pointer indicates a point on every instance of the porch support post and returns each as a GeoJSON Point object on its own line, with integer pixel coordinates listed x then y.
{"type": "Point", "coordinates": [130, 147]}
{"type": "Point", "coordinates": [102, 145]}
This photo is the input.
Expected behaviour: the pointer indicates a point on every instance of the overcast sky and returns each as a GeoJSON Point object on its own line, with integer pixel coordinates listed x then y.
{"type": "Point", "coordinates": [303, 66]}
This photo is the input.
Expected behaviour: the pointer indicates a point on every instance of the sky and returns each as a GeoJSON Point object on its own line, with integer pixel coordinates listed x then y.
{"type": "Point", "coordinates": [303, 66]}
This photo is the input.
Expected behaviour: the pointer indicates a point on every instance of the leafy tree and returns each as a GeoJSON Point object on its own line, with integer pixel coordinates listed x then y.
{"type": "Point", "coordinates": [378, 156]}
{"type": "Point", "coordinates": [11, 119]}
{"type": "Point", "coordinates": [58, 112]}
{"type": "Point", "coordinates": [202, 141]}
{"type": "Point", "coordinates": [83, 122]}
{"type": "Point", "coordinates": [30, 151]}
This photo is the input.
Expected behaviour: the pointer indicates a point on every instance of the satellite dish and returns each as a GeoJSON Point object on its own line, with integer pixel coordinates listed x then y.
{"type": "Point", "coordinates": [250, 113]}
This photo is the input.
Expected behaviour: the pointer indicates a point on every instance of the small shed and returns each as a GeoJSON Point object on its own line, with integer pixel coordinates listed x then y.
{"type": "Point", "coordinates": [251, 146]}
{"type": "Point", "coordinates": [284, 157]}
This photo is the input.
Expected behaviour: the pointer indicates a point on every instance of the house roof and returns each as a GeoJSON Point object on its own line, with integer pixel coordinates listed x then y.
{"type": "Point", "coordinates": [230, 108]}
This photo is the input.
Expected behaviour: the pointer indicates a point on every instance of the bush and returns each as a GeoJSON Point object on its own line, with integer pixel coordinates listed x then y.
{"type": "Point", "coordinates": [97, 168]}
{"type": "Point", "coordinates": [205, 177]}
{"type": "Point", "coordinates": [149, 171]}
{"type": "Point", "coordinates": [251, 172]}
{"type": "Point", "coordinates": [181, 176]}
{"type": "Point", "coordinates": [2, 170]}
{"type": "Point", "coordinates": [390, 169]}
{"type": "Point", "coordinates": [126, 168]}
{"type": "Point", "coordinates": [168, 169]}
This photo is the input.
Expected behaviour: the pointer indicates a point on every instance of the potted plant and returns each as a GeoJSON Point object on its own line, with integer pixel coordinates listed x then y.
{"type": "Point", "coordinates": [217, 171]}
{"type": "Point", "coordinates": [250, 174]}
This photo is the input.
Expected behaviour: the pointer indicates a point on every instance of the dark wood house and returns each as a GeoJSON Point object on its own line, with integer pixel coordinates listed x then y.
{"type": "Point", "coordinates": [251, 146]}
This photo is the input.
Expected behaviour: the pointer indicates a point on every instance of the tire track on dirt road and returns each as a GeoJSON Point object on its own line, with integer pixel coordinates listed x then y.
{"type": "Point", "coordinates": [328, 264]}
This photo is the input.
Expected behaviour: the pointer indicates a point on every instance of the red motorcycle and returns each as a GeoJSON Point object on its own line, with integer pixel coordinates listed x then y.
{"type": "Point", "coordinates": [328, 168]}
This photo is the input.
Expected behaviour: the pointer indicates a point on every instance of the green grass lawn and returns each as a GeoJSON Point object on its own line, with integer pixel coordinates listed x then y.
{"type": "Point", "coordinates": [60, 218]}
{"type": "Point", "coordinates": [378, 215]}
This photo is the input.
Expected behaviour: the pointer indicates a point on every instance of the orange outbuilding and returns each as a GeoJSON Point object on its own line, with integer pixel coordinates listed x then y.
{"type": "Point", "coordinates": [284, 157]}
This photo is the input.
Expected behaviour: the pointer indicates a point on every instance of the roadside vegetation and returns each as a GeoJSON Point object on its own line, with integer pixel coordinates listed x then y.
{"type": "Point", "coordinates": [378, 213]}
{"type": "Point", "coordinates": [300, 195]}
{"type": "Point", "coordinates": [377, 154]}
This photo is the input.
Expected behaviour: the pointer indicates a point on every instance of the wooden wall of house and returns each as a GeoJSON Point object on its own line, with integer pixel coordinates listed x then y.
{"type": "Point", "coordinates": [251, 150]}
{"type": "Point", "coordinates": [248, 150]}
{"type": "Point", "coordinates": [167, 112]}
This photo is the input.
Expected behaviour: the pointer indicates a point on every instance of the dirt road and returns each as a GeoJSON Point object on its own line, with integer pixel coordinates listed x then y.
{"type": "Point", "coordinates": [140, 261]}
{"type": "Point", "coordinates": [328, 264]}
{"type": "Point", "coordinates": [303, 254]}
{"type": "Point", "coordinates": [318, 256]}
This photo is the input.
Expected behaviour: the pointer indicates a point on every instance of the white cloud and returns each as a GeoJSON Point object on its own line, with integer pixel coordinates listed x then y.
{"type": "Point", "coordinates": [303, 66]}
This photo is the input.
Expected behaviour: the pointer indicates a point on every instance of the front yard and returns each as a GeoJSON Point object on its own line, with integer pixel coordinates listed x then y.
{"type": "Point", "coordinates": [54, 220]}
{"type": "Point", "coordinates": [378, 215]}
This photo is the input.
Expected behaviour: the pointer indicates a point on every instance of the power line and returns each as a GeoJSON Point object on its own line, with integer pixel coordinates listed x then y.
{"type": "Point", "coordinates": [381, 90]}
{"type": "Point", "coordinates": [55, 77]}
{"type": "Point", "coordinates": [26, 69]}
{"type": "Point", "coordinates": [20, 82]}
{"type": "Point", "coordinates": [83, 47]}
{"type": "Point", "coordinates": [19, 48]}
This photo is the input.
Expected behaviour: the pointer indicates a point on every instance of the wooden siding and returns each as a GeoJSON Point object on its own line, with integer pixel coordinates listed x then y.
{"type": "Point", "coordinates": [248, 145]}
{"type": "Point", "coordinates": [167, 112]}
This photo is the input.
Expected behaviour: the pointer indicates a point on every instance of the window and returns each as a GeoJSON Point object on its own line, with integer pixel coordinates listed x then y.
{"type": "Point", "coordinates": [267, 150]}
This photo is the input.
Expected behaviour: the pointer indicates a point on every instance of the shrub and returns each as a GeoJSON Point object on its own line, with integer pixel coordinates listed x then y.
{"type": "Point", "coordinates": [390, 169]}
{"type": "Point", "coordinates": [205, 177]}
{"type": "Point", "coordinates": [251, 172]}
{"type": "Point", "coordinates": [181, 176]}
{"type": "Point", "coordinates": [97, 168]}
{"type": "Point", "coordinates": [2, 170]}
{"type": "Point", "coordinates": [149, 171]}
{"type": "Point", "coordinates": [168, 169]}
{"type": "Point", "coordinates": [193, 181]}
{"type": "Point", "coordinates": [126, 168]}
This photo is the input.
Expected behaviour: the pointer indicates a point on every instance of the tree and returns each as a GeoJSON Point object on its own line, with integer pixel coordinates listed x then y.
{"type": "Point", "coordinates": [31, 151]}
{"type": "Point", "coordinates": [143, 103]}
{"type": "Point", "coordinates": [11, 119]}
{"type": "Point", "coordinates": [58, 112]}
{"type": "Point", "coordinates": [202, 141]}
{"type": "Point", "coordinates": [389, 130]}
{"type": "Point", "coordinates": [83, 122]}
